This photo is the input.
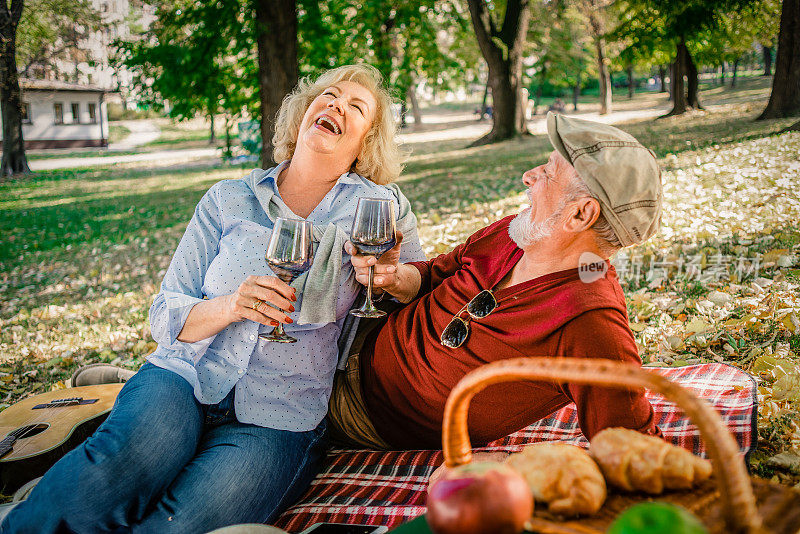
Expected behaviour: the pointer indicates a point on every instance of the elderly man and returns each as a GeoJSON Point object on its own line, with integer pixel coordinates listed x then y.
{"type": "Point", "coordinates": [513, 289]}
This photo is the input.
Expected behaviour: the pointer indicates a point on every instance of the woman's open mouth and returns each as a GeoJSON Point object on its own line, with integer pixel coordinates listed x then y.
{"type": "Point", "coordinates": [324, 122]}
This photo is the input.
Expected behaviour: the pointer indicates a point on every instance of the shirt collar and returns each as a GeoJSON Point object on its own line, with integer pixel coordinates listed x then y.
{"type": "Point", "coordinates": [348, 178]}
{"type": "Point", "coordinates": [272, 174]}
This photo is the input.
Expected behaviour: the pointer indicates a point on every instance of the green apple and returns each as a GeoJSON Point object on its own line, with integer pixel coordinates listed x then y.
{"type": "Point", "coordinates": [657, 518]}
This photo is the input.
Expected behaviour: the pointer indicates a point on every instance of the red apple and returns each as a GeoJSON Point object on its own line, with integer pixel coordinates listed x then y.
{"type": "Point", "coordinates": [479, 498]}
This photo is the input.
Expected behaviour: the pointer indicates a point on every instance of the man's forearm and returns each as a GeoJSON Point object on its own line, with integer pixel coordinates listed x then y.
{"type": "Point", "coordinates": [407, 283]}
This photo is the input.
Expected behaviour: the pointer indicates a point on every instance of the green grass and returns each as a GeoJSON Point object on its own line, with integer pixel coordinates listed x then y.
{"type": "Point", "coordinates": [186, 134]}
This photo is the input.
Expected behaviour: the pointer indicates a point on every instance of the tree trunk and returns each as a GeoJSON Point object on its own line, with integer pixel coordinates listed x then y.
{"type": "Point", "coordinates": [385, 41]}
{"type": "Point", "coordinates": [662, 74]}
{"type": "Point", "coordinates": [576, 92]}
{"type": "Point", "coordinates": [679, 102]}
{"type": "Point", "coordinates": [228, 151]}
{"type": "Point", "coordinates": [671, 82]}
{"type": "Point", "coordinates": [403, 111]}
{"type": "Point", "coordinates": [784, 101]}
{"type": "Point", "coordinates": [793, 128]}
{"type": "Point", "coordinates": [502, 49]}
{"type": "Point", "coordinates": [692, 80]}
{"type": "Point", "coordinates": [276, 37]}
{"type": "Point", "coordinates": [538, 97]}
{"type": "Point", "coordinates": [733, 73]}
{"type": "Point", "coordinates": [14, 160]}
{"type": "Point", "coordinates": [604, 75]}
{"type": "Point", "coordinates": [767, 53]}
{"type": "Point", "coordinates": [411, 92]}
{"type": "Point", "coordinates": [631, 82]}
{"type": "Point", "coordinates": [212, 137]}
{"type": "Point", "coordinates": [483, 102]}
{"type": "Point", "coordinates": [722, 74]}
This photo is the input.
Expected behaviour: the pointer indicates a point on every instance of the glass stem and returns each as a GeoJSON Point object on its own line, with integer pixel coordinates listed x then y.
{"type": "Point", "coordinates": [278, 330]}
{"type": "Point", "coordinates": [368, 304]}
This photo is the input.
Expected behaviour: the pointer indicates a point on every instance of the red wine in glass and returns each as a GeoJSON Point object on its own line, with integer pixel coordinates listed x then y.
{"type": "Point", "coordinates": [374, 248]}
{"type": "Point", "coordinates": [288, 271]}
{"type": "Point", "coordinates": [289, 254]}
{"type": "Point", "coordinates": [373, 234]}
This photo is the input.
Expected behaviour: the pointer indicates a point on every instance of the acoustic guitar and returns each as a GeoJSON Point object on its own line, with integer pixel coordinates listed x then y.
{"type": "Point", "coordinates": [37, 431]}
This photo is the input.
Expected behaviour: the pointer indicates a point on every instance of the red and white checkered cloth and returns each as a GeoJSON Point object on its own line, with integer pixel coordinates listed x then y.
{"type": "Point", "coordinates": [389, 488]}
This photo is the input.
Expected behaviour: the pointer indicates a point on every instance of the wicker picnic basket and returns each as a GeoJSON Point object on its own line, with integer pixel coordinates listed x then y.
{"type": "Point", "coordinates": [730, 502]}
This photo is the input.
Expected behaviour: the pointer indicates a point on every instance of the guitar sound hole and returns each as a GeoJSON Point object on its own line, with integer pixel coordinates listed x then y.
{"type": "Point", "coordinates": [29, 431]}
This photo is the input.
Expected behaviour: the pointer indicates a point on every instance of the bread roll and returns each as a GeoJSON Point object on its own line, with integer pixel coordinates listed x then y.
{"type": "Point", "coordinates": [634, 461]}
{"type": "Point", "coordinates": [563, 476]}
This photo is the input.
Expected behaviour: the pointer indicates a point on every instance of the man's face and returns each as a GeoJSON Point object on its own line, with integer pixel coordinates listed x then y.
{"type": "Point", "coordinates": [546, 192]}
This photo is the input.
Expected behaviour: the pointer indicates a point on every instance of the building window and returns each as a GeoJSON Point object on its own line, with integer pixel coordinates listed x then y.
{"type": "Point", "coordinates": [26, 113]}
{"type": "Point", "coordinates": [58, 111]}
{"type": "Point", "coordinates": [92, 113]}
{"type": "Point", "coordinates": [76, 112]}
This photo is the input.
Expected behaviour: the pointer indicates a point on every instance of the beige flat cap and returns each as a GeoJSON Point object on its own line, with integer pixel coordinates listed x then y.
{"type": "Point", "coordinates": [617, 169]}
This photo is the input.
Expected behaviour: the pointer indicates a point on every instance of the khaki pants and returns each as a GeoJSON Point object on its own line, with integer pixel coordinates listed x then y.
{"type": "Point", "coordinates": [348, 421]}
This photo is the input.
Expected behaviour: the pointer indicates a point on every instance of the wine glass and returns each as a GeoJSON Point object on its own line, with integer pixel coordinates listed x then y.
{"type": "Point", "coordinates": [289, 254]}
{"type": "Point", "coordinates": [373, 234]}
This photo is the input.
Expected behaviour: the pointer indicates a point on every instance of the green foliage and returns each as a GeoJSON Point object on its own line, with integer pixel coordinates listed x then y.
{"type": "Point", "coordinates": [637, 32]}
{"type": "Point", "coordinates": [193, 60]}
{"type": "Point", "coordinates": [407, 41]}
{"type": "Point", "coordinates": [53, 30]}
{"type": "Point", "coordinates": [562, 48]}
{"type": "Point", "coordinates": [200, 57]}
{"type": "Point", "coordinates": [715, 31]}
{"type": "Point", "coordinates": [738, 32]}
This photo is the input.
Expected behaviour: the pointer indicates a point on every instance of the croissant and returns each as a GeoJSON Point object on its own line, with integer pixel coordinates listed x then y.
{"type": "Point", "coordinates": [561, 475]}
{"type": "Point", "coordinates": [634, 461]}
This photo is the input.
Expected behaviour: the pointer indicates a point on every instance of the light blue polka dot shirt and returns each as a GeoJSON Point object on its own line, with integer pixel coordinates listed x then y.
{"type": "Point", "coordinates": [281, 386]}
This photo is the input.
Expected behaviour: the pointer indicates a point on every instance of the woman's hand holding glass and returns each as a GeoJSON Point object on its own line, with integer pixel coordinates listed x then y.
{"type": "Point", "coordinates": [263, 299]}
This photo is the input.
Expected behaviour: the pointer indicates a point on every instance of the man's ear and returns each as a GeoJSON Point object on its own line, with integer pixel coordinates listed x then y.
{"type": "Point", "coordinates": [582, 215]}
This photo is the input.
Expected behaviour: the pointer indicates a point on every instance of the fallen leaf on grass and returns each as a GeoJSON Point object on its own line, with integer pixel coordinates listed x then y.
{"type": "Point", "coordinates": [697, 326]}
{"type": "Point", "coordinates": [787, 387]}
{"type": "Point", "coordinates": [786, 460]}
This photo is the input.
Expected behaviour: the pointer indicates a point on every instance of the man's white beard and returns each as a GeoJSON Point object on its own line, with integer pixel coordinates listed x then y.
{"type": "Point", "coordinates": [526, 232]}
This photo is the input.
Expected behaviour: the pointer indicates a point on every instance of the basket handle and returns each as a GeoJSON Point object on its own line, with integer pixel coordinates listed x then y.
{"type": "Point", "coordinates": [739, 505]}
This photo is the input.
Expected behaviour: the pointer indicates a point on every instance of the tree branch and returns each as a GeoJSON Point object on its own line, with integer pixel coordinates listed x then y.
{"type": "Point", "coordinates": [485, 30]}
{"type": "Point", "coordinates": [16, 10]}
{"type": "Point", "coordinates": [512, 20]}
{"type": "Point", "coordinates": [5, 15]}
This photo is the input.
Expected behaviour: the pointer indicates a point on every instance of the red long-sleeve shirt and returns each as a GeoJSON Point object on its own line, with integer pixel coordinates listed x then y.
{"type": "Point", "coordinates": [407, 373]}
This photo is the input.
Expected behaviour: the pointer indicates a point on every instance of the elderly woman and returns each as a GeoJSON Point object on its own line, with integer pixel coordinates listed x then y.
{"type": "Point", "coordinates": [220, 426]}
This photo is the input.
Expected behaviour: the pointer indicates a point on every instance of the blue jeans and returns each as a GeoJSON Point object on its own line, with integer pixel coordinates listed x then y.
{"type": "Point", "coordinates": [163, 462]}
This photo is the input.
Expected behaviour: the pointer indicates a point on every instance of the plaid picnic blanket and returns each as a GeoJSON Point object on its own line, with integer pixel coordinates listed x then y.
{"type": "Point", "coordinates": [389, 488]}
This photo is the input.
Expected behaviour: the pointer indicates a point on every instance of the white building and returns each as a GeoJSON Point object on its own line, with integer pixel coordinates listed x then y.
{"type": "Point", "coordinates": [122, 19]}
{"type": "Point", "coordinates": [62, 115]}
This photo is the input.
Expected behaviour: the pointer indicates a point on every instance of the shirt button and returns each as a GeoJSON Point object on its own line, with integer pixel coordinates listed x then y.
{"type": "Point", "coordinates": [252, 337]}
{"type": "Point", "coordinates": [241, 371]}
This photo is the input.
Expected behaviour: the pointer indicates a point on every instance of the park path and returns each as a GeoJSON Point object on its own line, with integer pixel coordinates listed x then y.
{"type": "Point", "coordinates": [466, 128]}
{"type": "Point", "coordinates": [474, 129]}
{"type": "Point", "coordinates": [142, 132]}
{"type": "Point", "coordinates": [160, 156]}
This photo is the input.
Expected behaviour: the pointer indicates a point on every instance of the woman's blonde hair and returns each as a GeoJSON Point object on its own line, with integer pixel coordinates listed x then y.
{"type": "Point", "coordinates": [380, 160]}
